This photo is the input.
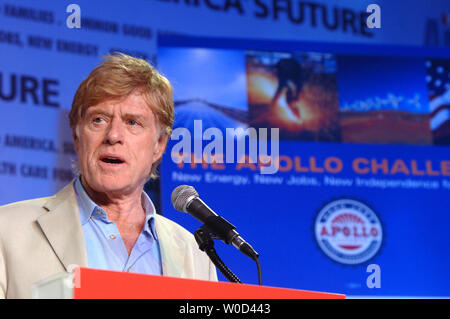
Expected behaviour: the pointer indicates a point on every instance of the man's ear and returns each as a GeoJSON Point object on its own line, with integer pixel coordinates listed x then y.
{"type": "Point", "coordinates": [76, 139]}
{"type": "Point", "coordinates": [160, 146]}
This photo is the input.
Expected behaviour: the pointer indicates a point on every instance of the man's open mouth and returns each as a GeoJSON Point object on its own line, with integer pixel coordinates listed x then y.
{"type": "Point", "coordinates": [112, 160]}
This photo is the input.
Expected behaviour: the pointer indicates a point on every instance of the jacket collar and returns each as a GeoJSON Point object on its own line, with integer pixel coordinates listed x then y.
{"type": "Point", "coordinates": [62, 228]}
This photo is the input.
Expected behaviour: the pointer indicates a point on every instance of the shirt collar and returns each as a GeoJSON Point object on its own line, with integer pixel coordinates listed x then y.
{"type": "Point", "coordinates": [88, 207]}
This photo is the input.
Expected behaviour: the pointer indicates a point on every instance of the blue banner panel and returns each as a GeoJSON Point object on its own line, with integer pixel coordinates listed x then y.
{"type": "Point", "coordinates": [359, 201]}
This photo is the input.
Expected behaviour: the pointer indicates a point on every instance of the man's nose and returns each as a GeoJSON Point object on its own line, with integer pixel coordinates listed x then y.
{"type": "Point", "coordinates": [114, 134]}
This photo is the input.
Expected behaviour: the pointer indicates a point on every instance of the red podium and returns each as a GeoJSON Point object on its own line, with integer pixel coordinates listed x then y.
{"type": "Point", "coordinates": [86, 283]}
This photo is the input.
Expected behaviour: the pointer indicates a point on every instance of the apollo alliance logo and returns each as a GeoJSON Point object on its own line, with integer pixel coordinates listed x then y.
{"type": "Point", "coordinates": [348, 231]}
{"type": "Point", "coordinates": [213, 152]}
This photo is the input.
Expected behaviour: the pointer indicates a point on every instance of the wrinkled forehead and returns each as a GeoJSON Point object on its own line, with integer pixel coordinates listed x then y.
{"type": "Point", "coordinates": [133, 104]}
{"type": "Point", "coordinates": [134, 99]}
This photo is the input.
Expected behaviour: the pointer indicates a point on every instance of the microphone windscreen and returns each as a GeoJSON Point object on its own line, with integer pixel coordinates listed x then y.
{"type": "Point", "coordinates": [180, 196]}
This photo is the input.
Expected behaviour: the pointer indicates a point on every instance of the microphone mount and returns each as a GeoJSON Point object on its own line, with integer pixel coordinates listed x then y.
{"type": "Point", "coordinates": [205, 242]}
{"type": "Point", "coordinates": [185, 199]}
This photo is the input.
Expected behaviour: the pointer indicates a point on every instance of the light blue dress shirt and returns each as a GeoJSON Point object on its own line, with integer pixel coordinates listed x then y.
{"type": "Point", "coordinates": [104, 245]}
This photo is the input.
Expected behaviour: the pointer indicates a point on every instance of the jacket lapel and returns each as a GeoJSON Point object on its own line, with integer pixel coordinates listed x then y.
{"type": "Point", "coordinates": [62, 227]}
{"type": "Point", "coordinates": [173, 250]}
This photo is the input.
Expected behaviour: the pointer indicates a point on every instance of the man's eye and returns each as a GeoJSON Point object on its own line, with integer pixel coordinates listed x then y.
{"type": "Point", "coordinates": [132, 122]}
{"type": "Point", "coordinates": [98, 120]}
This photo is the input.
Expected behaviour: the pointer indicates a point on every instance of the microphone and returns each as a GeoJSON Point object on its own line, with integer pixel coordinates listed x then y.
{"type": "Point", "coordinates": [185, 199]}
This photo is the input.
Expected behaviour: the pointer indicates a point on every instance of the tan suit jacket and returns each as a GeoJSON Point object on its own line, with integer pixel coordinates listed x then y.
{"type": "Point", "coordinates": [42, 237]}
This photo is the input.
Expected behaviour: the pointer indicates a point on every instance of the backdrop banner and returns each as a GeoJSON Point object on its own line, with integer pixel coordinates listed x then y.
{"type": "Point", "coordinates": [359, 201]}
{"type": "Point", "coordinates": [351, 100]}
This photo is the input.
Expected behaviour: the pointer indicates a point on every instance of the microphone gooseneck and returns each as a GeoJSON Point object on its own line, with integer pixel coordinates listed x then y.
{"type": "Point", "coordinates": [186, 199]}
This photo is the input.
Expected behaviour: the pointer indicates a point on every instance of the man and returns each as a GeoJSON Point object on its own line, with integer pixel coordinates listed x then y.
{"type": "Point", "coordinates": [289, 73]}
{"type": "Point", "coordinates": [121, 119]}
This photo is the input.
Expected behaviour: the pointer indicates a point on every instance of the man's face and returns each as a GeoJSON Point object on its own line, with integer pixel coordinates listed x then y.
{"type": "Point", "coordinates": [117, 143]}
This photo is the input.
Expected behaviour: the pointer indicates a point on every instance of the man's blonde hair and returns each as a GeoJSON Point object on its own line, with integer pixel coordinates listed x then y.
{"type": "Point", "coordinates": [118, 76]}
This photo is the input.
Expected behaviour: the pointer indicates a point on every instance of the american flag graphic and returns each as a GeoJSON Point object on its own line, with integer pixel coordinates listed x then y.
{"type": "Point", "coordinates": [438, 82]}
